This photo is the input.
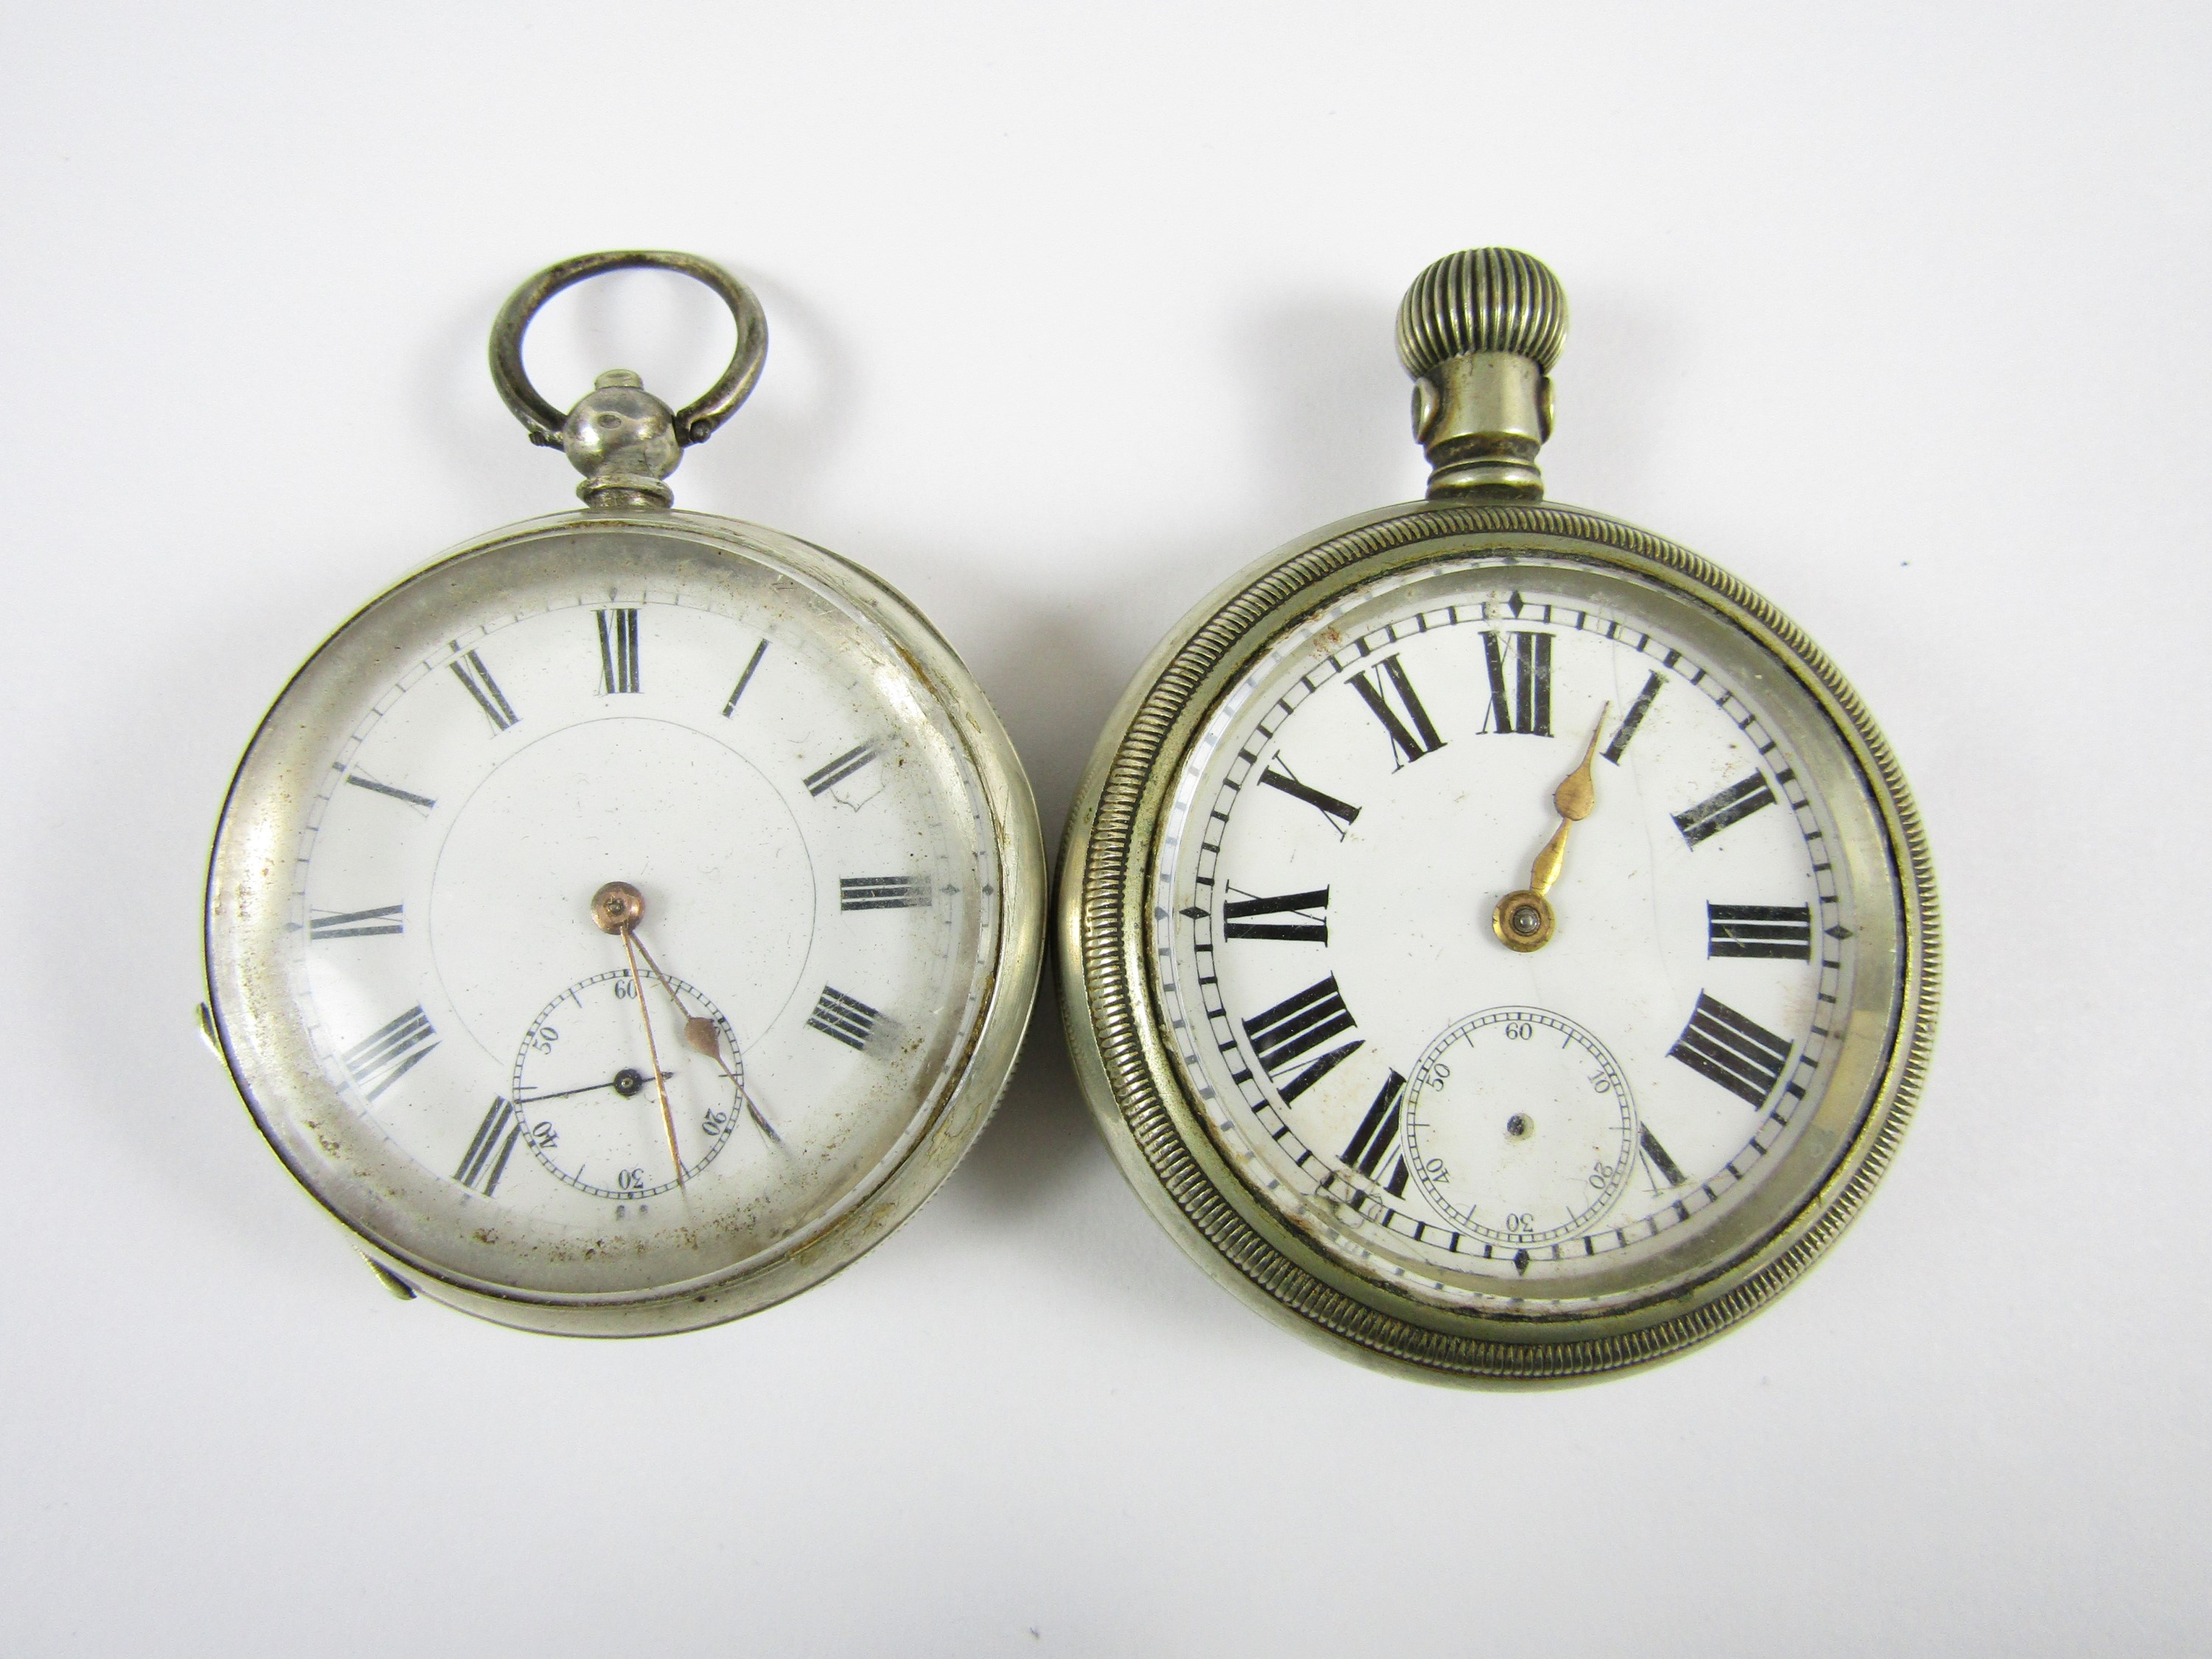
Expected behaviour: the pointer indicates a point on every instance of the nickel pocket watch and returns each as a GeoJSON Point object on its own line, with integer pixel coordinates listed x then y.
{"type": "Point", "coordinates": [626, 920]}
{"type": "Point", "coordinates": [1496, 942]}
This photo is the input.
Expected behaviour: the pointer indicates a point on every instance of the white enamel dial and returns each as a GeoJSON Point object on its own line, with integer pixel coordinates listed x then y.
{"type": "Point", "coordinates": [458, 1058]}
{"type": "Point", "coordinates": [1473, 1120]}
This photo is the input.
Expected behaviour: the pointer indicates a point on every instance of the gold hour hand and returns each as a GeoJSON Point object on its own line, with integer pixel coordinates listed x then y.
{"type": "Point", "coordinates": [1525, 921]}
{"type": "Point", "coordinates": [702, 1035]}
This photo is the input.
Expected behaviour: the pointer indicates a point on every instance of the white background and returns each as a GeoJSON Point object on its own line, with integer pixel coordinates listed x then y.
{"type": "Point", "coordinates": [1900, 311]}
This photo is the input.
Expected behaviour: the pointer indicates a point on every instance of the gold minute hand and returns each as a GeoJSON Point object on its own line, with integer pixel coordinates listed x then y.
{"type": "Point", "coordinates": [1575, 799]}
{"type": "Point", "coordinates": [1524, 921]}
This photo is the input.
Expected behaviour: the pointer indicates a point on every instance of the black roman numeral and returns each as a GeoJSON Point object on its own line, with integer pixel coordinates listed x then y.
{"type": "Point", "coordinates": [388, 1054]}
{"type": "Point", "coordinates": [486, 1158]}
{"type": "Point", "coordinates": [1378, 1133]}
{"type": "Point", "coordinates": [1408, 742]}
{"type": "Point", "coordinates": [1519, 682]}
{"type": "Point", "coordinates": [848, 1019]}
{"type": "Point", "coordinates": [828, 777]}
{"type": "Point", "coordinates": [362, 781]}
{"type": "Point", "coordinates": [468, 668]}
{"type": "Point", "coordinates": [1740, 1054]}
{"type": "Point", "coordinates": [746, 679]}
{"type": "Point", "coordinates": [1295, 1027]}
{"type": "Point", "coordinates": [882, 892]}
{"type": "Point", "coordinates": [1311, 927]}
{"type": "Point", "coordinates": [1340, 814]}
{"type": "Point", "coordinates": [358, 924]}
{"type": "Point", "coordinates": [1625, 733]}
{"type": "Point", "coordinates": [1665, 1171]}
{"type": "Point", "coordinates": [1782, 930]}
{"type": "Point", "coordinates": [618, 651]}
{"type": "Point", "coordinates": [1711, 816]}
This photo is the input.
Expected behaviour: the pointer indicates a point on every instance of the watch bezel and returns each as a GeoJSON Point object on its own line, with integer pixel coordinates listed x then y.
{"type": "Point", "coordinates": [1142, 1102]}
{"type": "Point", "coordinates": [975, 1076]}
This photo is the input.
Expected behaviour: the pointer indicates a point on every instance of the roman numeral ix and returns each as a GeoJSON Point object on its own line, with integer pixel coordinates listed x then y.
{"type": "Point", "coordinates": [485, 1161]}
{"type": "Point", "coordinates": [1311, 927]}
{"type": "Point", "coordinates": [1378, 1133]}
{"type": "Point", "coordinates": [1520, 667]}
{"type": "Point", "coordinates": [1412, 733]}
{"type": "Point", "coordinates": [1286, 1033]}
{"type": "Point", "coordinates": [1781, 930]}
{"type": "Point", "coordinates": [618, 651]}
{"type": "Point", "coordinates": [388, 1054]}
{"type": "Point", "coordinates": [1740, 1054]}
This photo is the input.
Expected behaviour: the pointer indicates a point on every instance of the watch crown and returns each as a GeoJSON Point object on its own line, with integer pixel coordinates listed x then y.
{"type": "Point", "coordinates": [1486, 299]}
{"type": "Point", "coordinates": [1479, 330]}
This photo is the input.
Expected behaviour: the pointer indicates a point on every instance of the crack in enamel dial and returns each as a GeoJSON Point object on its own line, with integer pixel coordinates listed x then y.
{"type": "Point", "coordinates": [1474, 1123]}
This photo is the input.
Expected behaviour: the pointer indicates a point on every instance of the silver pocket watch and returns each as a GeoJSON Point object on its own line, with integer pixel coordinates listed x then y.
{"type": "Point", "coordinates": [1495, 942]}
{"type": "Point", "coordinates": [625, 921]}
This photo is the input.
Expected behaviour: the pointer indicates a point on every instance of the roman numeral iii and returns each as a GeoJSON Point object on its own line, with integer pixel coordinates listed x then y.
{"type": "Point", "coordinates": [1520, 667]}
{"type": "Point", "coordinates": [389, 1053]}
{"type": "Point", "coordinates": [1739, 1054]}
{"type": "Point", "coordinates": [1285, 1034]}
{"type": "Point", "coordinates": [1411, 731]}
{"type": "Point", "coordinates": [1780, 930]}
{"type": "Point", "coordinates": [1239, 917]}
{"type": "Point", "coordinates": [882, 892]}
{"type": "Point", "coordinates": [618, 651]}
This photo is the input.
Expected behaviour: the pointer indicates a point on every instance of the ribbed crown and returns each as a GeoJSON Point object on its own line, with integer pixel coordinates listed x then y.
{"type": "Point", "coordinates": [1486, 299]}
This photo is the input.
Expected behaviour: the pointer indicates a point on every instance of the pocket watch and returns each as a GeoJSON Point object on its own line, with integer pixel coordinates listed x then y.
{"type": "Point", "coordinates": [1495, 941]}
{"type": "Point", "coordinates": [628, 919]}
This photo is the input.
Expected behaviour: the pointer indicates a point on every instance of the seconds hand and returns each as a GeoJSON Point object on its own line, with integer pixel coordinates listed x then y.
{"type": "Point", "coordinates": [616, 908]}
